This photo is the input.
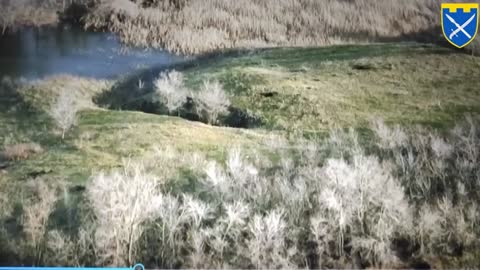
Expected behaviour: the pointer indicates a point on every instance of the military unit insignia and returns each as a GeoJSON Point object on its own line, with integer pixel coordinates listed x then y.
{"type": "Point", "coordinates": [460, 22]}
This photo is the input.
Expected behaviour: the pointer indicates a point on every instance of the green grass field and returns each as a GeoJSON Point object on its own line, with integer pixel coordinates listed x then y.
{"type": "Point", "coordinates": [316, 89]}
{"type": "Point", "coordinates": [301, 91]}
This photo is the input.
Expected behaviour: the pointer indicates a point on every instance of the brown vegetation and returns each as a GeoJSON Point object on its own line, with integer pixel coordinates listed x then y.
{"type": "Point", "coordinates": [20, 13]}
{"type": "Point", "coordinates": [197, 26]}
{"type": "Point", "coordinates": [15, 13]}
{"type": "Point", "coordinates": [21, 151]}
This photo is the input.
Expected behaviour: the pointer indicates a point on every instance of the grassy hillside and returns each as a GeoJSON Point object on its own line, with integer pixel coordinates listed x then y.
{"type": "Point", "coordinates": [317, 89]}
{"type": "Point", "coordinates": [311, 167]}
{"type": "Point", "coordinates": [312, 89]}
{"type": "Point", "coordinates": [306, 91]}
{"type": "Point", "coordinates": [101, 138]}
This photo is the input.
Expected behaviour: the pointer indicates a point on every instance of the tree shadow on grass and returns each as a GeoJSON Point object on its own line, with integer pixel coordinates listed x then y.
{"type": "Point", "coordinates": [135, 92]}
{"type": "Point", "coordinates": [21, 121]}
{"type": "Point", "coordinates": [20, 117]}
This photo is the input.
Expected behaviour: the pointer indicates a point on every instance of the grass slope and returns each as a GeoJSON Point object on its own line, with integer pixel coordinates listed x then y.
{"type": "Point", "coordinates": [306, 90]}
{"type": "Point", "coordinates": [301, 90]}
{"type": "Point", "coordinates": [316, 89]}
{"type": "Point", "coordinates": [102, 139]}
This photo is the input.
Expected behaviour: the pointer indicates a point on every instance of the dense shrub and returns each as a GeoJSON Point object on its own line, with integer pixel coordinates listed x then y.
{"type": "Point", "coordinates": [20, 151]}
{"type": "Point", "coordinates": [321, 204]}
{"type": "Point", "coordinates": [211, 101]}
{"type": "Point", "coordinates": [202, 26]}
{"type": "Point", "coordinates": [206, 25]}
{"type": "Point", "coordinates": [169, 89]}
{"type": "Point", "coordinates": [122, 203]}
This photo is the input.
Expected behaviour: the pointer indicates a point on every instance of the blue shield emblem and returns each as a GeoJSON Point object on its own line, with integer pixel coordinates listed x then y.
{"type": "Point", "coordinates": [460, 23]}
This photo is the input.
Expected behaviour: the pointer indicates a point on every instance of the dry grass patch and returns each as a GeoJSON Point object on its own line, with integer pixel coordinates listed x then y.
{"type": "Point", "coordinates": [201, 26]}
{"type": "Point", "coordinates": [17, 13]}
{"type": "Point", "coordinates": [21, 151]}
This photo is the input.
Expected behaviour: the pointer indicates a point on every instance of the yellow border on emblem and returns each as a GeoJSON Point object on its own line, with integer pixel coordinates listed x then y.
{"type": "Point", "coordinates": [455, 6]}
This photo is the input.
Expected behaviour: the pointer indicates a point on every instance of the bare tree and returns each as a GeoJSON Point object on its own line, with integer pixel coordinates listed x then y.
{"type": "Point", "coordinates": [170, 90]}
{"type": "Point", "coordinates": [122, 203]}
{"type": "Point", "coordinates": [64, 111]}
{"type": "Point", "coordinates": [212, 101]}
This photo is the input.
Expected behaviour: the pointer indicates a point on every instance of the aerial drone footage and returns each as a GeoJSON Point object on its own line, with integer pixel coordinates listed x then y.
{"type": "Point", "coordinates": [239, 134]}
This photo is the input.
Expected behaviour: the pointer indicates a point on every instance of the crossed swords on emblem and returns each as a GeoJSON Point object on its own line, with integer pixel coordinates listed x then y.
{"type": "Point", "coordinates": [460, 28]}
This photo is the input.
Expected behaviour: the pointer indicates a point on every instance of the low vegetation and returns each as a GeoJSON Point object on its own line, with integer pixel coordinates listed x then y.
{"type": "Point", "coordinates": [203, 26]}
{"type": "Point", "coordinates": [322, 204]}
{"type": "Point", "coordinates": [17, 13]}
{"type": "Point", "coordinates": [20, 151]}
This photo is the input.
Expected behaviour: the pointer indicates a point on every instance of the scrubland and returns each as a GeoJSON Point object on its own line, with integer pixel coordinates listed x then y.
{"type": "Point", "coordinates": [17, 13]}
{"type": "Point", "coordinates": [197, 26]}
{"type": "Point", "coordinates": [411, 199]}
{"type": "Point", "coordinates": [336, 157]}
